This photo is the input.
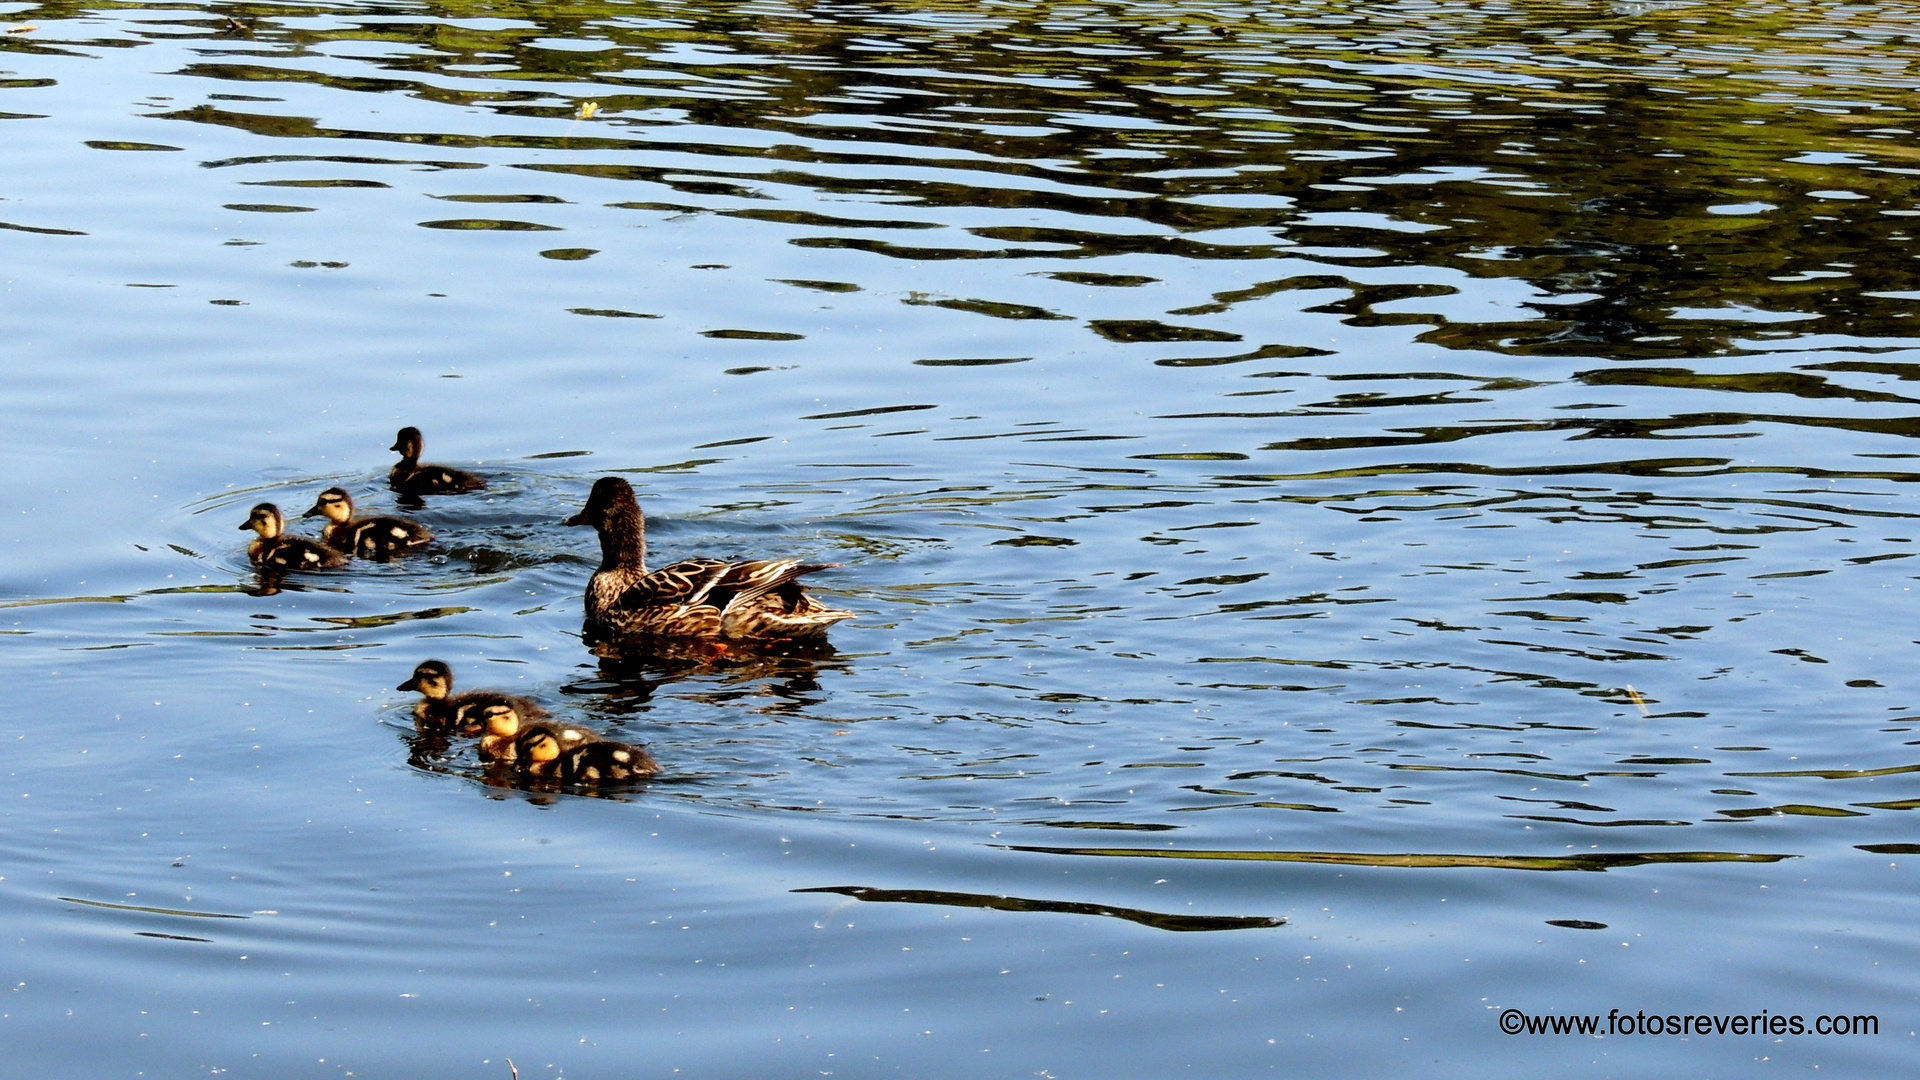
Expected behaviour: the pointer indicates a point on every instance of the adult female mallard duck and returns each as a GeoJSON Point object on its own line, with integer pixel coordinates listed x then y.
{"type": "Point", "coordinates": [275, 549]}
{"type": "Point", "coordinates": [696, 598]}
{"type": "Point", "coordinates": [409, 477]}
{"type": "Point", "coordinates": [439, 707]}
{"type": "Point", "coordinates": [594, 762]}
{"type": "Point", "coordinates": [503, 729]}
{"type": "Point", "coordinates": [368, 537]}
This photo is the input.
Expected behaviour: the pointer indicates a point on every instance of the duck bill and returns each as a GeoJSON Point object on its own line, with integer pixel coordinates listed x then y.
{"type": "Point", "coordinates": [577, 519]}
{"type": "Point", "coordinates": [313, 511]}
{"type": "Point", "coordinates": [410, 684]}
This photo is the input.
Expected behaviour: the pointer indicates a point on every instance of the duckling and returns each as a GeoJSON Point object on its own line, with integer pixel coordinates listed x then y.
{"type": "Point", "coordinates": [503, 730]}
{"type": "Point", "coordinates": [439, 707]}
{"type": "Point", "coordinates": [540, 754]}
{"type": "Point", "coordinates": [409, 477]}
{"type": "Point", "coordinates": [273, 549]}
{"type": "Point", "coordinates": [369, 537]}
{"type": "Point", "coordinates": [697, 598]}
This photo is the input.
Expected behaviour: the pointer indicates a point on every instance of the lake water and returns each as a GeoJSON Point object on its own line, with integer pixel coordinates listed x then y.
{"type": "Point", "coordinates": [1360, 517]}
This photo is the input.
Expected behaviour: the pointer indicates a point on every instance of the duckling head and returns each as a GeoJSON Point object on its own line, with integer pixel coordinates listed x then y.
{"type": "Point", "coordinates": [265, 520]}
{"type": "Point", "coordinates": [408, 443]}
{"type": "Point", "coordinates": [335, 503]}
{"type": "Point", "coordinates": [501, 721]}
{"type": "Point", "coordinates": [538, 747]}
{"type": "Point", "coordinates": [432, 678]}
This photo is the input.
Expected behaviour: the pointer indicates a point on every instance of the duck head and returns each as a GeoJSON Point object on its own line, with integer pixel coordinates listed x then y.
{"type": "Point", "coordinates": [615, 515]}
{"type": "Point", "coordinates": [610, 498]}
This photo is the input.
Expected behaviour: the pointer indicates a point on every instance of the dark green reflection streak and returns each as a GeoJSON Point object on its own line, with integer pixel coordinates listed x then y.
{"type": "Point", "coordinates": [1155, 919]}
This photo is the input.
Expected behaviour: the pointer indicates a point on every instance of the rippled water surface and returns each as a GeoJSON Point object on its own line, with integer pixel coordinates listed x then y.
{"type": "Point", "coordinates": [1359, 517]}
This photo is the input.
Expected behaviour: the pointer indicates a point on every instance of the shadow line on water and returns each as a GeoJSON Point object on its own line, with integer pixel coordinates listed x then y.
{"type": "Point", "coordinates": [1601, 862]}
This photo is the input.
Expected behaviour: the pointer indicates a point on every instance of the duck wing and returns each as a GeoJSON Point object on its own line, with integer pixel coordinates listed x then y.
{"type": "Point", "coordinates": [680, 585]}
{"type": "Point", "coordinates": [706, 597]}
{"type": "Point", "coordinates": [714, 583]}
{"type": "Point", "coordinates": [730, 586]}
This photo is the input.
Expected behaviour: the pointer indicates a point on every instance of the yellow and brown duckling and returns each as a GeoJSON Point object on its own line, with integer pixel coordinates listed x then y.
{"type": "Point", "coordinates": [367, 537]}
{"type": "Point", "coordinates": [709, 599]}
{"type": "Point", "coordinates": [502, 729]}
{"type": "Point", "coordinates": [275, 549]}
{"type": "Point", "coordinates": [440, 707]}
{"type": "Point", "coordinates": [409, 477]}
{"type": "Point", "coordinates": [597, 762]}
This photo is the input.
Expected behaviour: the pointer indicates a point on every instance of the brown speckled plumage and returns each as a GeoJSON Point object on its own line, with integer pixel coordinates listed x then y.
{"type": "Point", "coordinates": [760, 600]}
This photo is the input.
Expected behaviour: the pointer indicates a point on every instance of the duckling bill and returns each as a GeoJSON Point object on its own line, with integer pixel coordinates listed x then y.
{"type": "Point", "coordinates": [367, 537]}
{"type": "Point", "coordinates": [409, 477]}
{"type": "Point", "coordinates": [760, 600]}
{"type": "Point", "coordinates": [440, 707]}
{"type": "Point", "coordinates": [276, 549]}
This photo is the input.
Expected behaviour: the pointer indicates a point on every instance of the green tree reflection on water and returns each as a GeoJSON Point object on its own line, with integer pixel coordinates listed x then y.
{"type": "Point", "coordinates": [1670, 179]}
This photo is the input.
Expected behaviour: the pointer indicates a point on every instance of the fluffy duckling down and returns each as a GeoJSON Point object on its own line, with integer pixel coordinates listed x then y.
{"type": "Point", "coordinates": [409, 477]}
{"type": "Point", "coordinates": [275, 548]}
{"type": "Point", "coordinates": [367, 537]}
{"type": "Point", "coordinates": [503, 728]}
{"type": "Point", "coordinates": [440, 707]}
{"type": "Point", "coordinates": [596, 762]}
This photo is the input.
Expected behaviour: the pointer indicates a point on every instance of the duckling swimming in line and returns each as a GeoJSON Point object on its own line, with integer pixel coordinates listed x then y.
{"type": "Point", "coordinates": [503, 729]}
{"type": "Point", "coordinates": [601, 760]}
{"type": "Point", "coordinates": [275, 549]}
{"type": "Point", "coordinates": [440, 707]}
{"type": "Point", "coordinates": [696, 598]}
{"type": "Point", "coordinates": [409, 477]}
{"type": "Point", "coordinates": [368, 537]}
